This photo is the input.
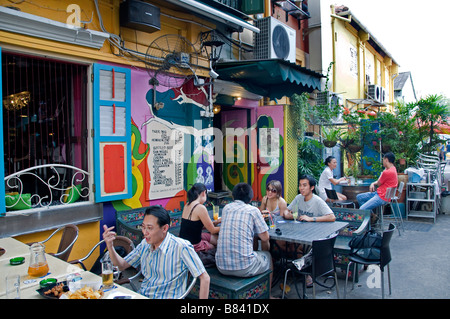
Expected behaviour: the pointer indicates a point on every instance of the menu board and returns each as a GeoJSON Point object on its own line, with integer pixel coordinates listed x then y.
{"type": "Point", "coordinates": [165, 160]}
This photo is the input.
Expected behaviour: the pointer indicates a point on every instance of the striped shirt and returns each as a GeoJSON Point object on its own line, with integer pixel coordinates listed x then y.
{"type": "Point", "coordinates": [164, 268]}
{"type": "Point", "coordinates": [240, 223]}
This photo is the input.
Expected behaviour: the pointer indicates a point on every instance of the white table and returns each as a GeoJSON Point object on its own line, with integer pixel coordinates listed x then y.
{"type": "Point", "coordinates": [58, 269]}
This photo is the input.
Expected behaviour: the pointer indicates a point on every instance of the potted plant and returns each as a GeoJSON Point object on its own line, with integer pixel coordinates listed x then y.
{"type": "Point", "coordinates": [331, 136]}
{"type": "Point", "coordinates": [351, 139]}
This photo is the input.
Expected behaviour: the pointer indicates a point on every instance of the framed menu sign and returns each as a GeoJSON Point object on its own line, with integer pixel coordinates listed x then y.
{"type": "Point", "coordinates": [165, 160]}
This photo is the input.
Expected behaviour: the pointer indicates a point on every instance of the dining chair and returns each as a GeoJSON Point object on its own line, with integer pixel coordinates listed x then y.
{"type": "Point", "coordinates": [383, 261]}
{"type": "Point", "coordinates": [68, 239]}
{"type": "Point", "coordinates": [393, 194]}
{"type": "Point", "coordinates": [190, 286]}
{"type": "Point", "coordinates": [119, 241]}
{"type": "Point", "coordinates": [332, 195]}
{"type": "Point", "coordinates": [322, 265]}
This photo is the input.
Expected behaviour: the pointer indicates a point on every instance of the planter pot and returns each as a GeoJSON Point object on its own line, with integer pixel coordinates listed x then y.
{"type": "Point", "coordinates": [329, 144]}
{"type": "Point", "coordinates": [354, 148]}
{"type": "Point", "coordinates": [385, 148]}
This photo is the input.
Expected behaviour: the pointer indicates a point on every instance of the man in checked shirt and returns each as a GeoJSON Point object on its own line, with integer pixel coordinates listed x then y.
{"type": "Point", "coordinates": [241, 222]}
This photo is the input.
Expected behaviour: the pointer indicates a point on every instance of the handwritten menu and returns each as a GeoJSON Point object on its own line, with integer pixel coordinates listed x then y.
{"type": "Point", "coordinates": [165, 160]}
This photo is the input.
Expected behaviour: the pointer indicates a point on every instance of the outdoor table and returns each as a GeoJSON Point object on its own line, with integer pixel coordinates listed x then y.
{"type": "Point", "coordinates": [304, 232]}
{"type": "Point", "coordinates": [352, 190]}
{"type": "Point", "coordinates": [299, 232]}
{"type": "Point", "coordinates": [58, 269]}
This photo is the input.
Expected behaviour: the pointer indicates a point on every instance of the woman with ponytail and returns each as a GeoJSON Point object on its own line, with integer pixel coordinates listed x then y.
{"type": "Point", "coordinates": [195, 217]}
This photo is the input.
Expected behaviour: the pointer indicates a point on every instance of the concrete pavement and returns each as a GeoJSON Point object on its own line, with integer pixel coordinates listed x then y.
{"type": "Point", "coordinates": [419, 267]}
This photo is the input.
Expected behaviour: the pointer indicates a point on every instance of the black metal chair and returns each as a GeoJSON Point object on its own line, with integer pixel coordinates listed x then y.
{"type": "Point", "coordinates": [382, 261]}
{"type": "Point", "coordinates": [332, 195]}
{"type": "Point", "coordinates": [322, 265]}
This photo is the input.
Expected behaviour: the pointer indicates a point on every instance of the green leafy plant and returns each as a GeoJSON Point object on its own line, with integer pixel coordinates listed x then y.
{"type": "Point", "coordinates": [310, 158]}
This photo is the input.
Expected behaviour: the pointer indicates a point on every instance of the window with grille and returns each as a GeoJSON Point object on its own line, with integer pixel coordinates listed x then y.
{"type": "Point", "coordinates": [44, 122]}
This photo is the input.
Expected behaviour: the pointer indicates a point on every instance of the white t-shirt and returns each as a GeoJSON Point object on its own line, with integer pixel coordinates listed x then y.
{"type": "Point", "coordinates": [324, 182]}
{"type": "Point", "coordinates": [315, 207]}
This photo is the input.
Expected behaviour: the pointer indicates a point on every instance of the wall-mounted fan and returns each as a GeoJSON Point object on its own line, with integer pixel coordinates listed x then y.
{"type": "Point", "coordinates": [171, 60]}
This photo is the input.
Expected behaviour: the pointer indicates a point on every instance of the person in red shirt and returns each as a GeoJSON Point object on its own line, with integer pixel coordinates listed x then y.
{"type": "Point", "coordinates": [388, 178]}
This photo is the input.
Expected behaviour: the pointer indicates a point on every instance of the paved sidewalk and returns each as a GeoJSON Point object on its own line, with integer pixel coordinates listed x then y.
{"type": "Point", "coordinates": [419, 267]}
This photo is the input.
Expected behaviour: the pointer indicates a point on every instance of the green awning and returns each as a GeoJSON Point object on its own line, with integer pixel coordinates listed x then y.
{"type": "Point", "coordinates": [273, 78]}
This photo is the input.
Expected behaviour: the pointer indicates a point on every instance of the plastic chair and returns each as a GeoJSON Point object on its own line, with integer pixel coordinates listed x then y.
{"type": "Point", "coordinates": [68, 239]}
{"type": "Point", "coordinates": [322, 265]}
{"type": "Point", "coordinates": [331, 194]}
{"type": "Point", "coordinates": [120, 241]}
{"type": "Point", "coordinates": [382, 261]}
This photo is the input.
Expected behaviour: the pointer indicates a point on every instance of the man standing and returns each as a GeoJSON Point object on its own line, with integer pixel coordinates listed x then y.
{"type": "Point", "coordinates": [309, 206]}
{"type": "Point", "coordinates": [241, 222]}
{"type": "Point", "coordinates": [162, 257]}
{"type": "Point", "coordinates": [388, 178]}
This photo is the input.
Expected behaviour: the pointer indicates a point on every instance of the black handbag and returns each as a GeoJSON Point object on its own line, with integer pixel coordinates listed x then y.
{"type": "Point", "coordinates": [366, 245]}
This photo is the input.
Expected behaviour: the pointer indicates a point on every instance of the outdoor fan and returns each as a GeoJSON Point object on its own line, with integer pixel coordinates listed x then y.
{"type": "Point", "coordinates": [171, 60]}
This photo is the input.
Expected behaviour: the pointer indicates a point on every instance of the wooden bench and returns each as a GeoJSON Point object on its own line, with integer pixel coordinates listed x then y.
{"type": "Point", "coordinates": [230, 287]}
{"type": "Point", "coordinates": [358, 222]}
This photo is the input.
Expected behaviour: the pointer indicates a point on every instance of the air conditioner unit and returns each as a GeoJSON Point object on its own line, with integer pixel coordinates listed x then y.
{"type": "Point", "coordinates": [374, 92]}
{"type": "Point", "coordinates": [382, 94]}
{"type": "Point", "coordinates": [324, 98]}
{"type": "Point", "coordinates": [274, 41]}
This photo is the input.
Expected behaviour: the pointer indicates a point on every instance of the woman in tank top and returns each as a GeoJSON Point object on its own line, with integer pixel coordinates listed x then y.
{"type": "Point", "coordinates": [195, 217]}
{"type": "Point", "coordinates": [273, 202]}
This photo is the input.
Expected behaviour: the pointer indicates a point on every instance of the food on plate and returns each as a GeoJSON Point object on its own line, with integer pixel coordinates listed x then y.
{"type": "Point", "coordinates": [57, 290]}
{"type": "Point", "coordinates": [85, 293]}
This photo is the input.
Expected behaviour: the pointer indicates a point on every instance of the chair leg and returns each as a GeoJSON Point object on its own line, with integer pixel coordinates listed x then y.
{"type": "Point", "coordinates": [346, 280]}
{"type": "Point", "coordinates": [389, 280]}
{"type": "Point", "coordinates": [382, 284]}
{"type": "Point", "coordinates": [337, 286]}
{"type": "Point", "coordinates": [400, 215]}
{"type": "Point", "coordinates": [284, 284]}
{"type": "Point", "coordinates": [314, 288]}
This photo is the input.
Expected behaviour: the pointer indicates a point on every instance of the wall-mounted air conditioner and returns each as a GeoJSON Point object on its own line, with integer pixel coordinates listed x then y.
{"type": "Point", "coordinates": [374, 92]}
{"type": "Point", "coordinates": [274, 41]}
{"type": "Point", "coordinates": [382, 94]}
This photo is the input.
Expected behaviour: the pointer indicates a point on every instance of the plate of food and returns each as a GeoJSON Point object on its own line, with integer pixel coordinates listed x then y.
{"type": "Point", "coordinates": [86, 292]}
{"type": "Point", "coordinates": [54, 291]}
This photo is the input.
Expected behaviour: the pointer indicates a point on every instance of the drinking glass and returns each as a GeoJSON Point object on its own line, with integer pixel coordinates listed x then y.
{"type": "Point", "coordinates": [107, 274]}
{"type": "Point", "coordinates": [12, 287]}
{"type": "Point", "coordinates": [215, 212]}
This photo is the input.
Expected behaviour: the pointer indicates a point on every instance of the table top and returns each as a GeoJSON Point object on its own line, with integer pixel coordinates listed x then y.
{"type": "Point", "coordinates": [58, 269]}
{"type": "Point", "coordinates": [304, 232]}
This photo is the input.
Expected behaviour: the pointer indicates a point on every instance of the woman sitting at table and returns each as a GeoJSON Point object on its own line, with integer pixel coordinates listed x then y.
{"type": "Point", "coordinates": [273, 202]}
{"type": "Point", "coordinates": [195, 217]}
{"type": "Point", "coordinates": [326, 179]}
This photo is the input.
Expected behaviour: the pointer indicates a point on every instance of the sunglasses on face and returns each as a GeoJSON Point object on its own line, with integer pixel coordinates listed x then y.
{"type": "Point", "coordinates": [272, 190]}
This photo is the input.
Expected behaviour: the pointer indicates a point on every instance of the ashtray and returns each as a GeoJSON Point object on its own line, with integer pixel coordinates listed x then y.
{"type": "Point", "coordinates": [17, 261]}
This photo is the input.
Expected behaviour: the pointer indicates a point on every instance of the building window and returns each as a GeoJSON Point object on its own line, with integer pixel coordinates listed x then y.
{"type": "Point", "coordinates": [44, 122]}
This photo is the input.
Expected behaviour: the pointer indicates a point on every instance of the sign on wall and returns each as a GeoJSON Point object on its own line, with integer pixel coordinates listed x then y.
{"type": "Point", "coordinates": [165, 160]}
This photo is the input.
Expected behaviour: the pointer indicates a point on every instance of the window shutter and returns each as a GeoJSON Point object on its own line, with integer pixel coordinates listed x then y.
{"type": "Point", "coordinates": [112, 133]}
{"type": "Point", "coordinates": [2, 161]}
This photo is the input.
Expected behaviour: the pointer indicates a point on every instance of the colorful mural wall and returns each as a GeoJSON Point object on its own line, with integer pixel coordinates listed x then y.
{"type": "Point", "coordinates": [171, 143]}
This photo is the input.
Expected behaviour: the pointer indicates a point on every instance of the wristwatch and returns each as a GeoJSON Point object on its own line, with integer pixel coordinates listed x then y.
{"type": "Point", "coordinates": [314, 219]}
